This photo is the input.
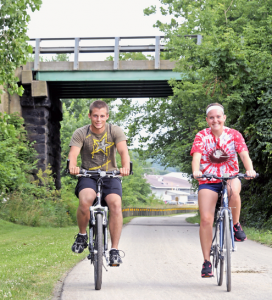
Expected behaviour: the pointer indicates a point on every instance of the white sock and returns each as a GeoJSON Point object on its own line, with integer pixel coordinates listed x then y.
{"type": "Point", "coordinates": [83, 234]}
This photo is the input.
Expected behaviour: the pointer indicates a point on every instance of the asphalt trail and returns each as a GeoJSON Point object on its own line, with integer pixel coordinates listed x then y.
{"type": "Point", "coordinates": [163, 261]}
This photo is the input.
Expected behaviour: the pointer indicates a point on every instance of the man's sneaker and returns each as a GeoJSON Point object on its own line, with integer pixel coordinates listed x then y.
{"type": "Point", "coordinates": [80, 243]}
{"type": "Point", "coordinates": [239, 234]}
{"type": "Point", "coordinates": [206, 269]}
{"type": "Point", "coordinates": [115, 258]}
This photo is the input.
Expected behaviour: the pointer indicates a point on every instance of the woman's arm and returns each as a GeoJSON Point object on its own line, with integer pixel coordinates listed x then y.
{"type": "Point", "coordinates": [196, 165]}
{"type": "Point", "coordinates": [244, 155]}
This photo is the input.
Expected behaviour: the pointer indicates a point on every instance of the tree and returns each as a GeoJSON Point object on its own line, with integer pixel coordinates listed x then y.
{"type": "Point", "coordinates": [232, 66]}
{"type": "Point", "coordinates": [13, 40]}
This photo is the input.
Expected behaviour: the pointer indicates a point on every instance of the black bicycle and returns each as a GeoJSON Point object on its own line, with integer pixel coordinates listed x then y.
{"type": "Point", "coordinates": [98, 225]}
{"type": "Point", "coordinates": [223, 241]}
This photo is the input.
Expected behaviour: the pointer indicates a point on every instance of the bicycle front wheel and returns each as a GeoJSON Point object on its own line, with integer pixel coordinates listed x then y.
{"type": "Point", "coordinates": [98, 256]}
{"type": "Point", "coordinates": [227, 250]}
{"type": "Point", "coordinates": [219, 261]}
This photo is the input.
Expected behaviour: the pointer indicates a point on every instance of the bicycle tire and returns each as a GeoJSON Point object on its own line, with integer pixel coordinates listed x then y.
{"type": "Point", "coordinates": [219, 261]}
{"type": "Point", "coordinates": [98, 257]}
{"type": "Point", "coordinates": [227, 248]}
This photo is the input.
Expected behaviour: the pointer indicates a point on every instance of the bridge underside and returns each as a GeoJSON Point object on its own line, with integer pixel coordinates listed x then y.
{"type": "Point", "coordinates": [41, 105]}
{"type": "Point", "coordinates": [109, 89]}
{"type": "Point", "coordinates": [109, 84]}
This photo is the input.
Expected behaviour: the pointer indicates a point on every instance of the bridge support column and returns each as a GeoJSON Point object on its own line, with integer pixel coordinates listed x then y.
{"type": "Point", "coordinates": [42, 117]}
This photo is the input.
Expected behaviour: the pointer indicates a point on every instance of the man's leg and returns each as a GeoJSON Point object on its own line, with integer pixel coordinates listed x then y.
{"type": "Point", "coordinates": [86, 198]}
{"type": "Point", "coordinates": [116, 218]}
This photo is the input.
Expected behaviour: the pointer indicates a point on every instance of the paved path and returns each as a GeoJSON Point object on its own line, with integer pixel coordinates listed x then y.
{"type": "Point", "coordinates": [163, 261]}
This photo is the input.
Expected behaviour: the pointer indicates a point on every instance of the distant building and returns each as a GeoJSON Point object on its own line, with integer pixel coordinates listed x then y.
{"type": "Point", "coordinates": [172, 186]}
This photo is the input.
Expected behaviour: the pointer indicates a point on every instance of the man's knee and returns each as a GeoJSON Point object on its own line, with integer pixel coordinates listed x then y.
{"type": "Point", "coordinates": [86, 199]}
{"type": "Point", "coordinates": [114, 203]}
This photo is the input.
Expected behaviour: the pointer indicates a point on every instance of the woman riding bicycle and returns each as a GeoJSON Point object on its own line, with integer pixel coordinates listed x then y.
{"type": "Point", "coordinates": [215, 151]}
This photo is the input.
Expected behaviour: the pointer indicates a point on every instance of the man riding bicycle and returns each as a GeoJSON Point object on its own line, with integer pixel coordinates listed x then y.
{"type": "Point", "coordinates": [214, 151]}
{"type": "Point", "coordinates": [97, 143]}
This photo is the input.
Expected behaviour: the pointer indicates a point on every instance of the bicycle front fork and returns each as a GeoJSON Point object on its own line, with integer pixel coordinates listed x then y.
{"type": "Point", "coordinates": [221, 228]}
{"type": "Point", "coordinates": [92, 225]}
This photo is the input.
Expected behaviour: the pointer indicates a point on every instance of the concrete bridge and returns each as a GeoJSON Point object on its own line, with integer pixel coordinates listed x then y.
{"type": "Point", "coordinates": [45, 83]}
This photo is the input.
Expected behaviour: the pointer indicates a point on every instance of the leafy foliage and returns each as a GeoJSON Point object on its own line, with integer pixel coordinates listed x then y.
{"type": "Point", "coordinates": [17, 157]}
{"type": "Point", "coordinates": [13, 40]}
{"type": "Point", "coordinates": [232, 66]}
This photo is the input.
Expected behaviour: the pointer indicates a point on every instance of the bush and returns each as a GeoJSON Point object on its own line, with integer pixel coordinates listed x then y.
{"type": "Point", "coordinates": [37, 204]}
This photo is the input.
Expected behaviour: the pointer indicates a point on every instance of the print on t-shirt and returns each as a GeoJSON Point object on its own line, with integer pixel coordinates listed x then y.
{"type": "Point", "coordinates": [218, 156]}
{"type": "Point", "coordinates": [102, 145]}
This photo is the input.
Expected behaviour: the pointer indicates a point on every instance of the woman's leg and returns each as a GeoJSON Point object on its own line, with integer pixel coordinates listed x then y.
{"type": "Point", "coordinates": [206, 201]}
{"type": "Point", "coordinates": [234, 189]}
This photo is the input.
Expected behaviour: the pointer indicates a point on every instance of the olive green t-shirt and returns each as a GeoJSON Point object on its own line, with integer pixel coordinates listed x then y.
{"type": "Point", "coordinates": [98, 151]}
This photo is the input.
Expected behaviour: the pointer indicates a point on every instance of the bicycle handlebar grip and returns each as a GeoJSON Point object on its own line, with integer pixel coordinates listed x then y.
{"type": "Point", "coordinates": [67, 166]}
{"type": "Point", "coordinates": [130, 169]}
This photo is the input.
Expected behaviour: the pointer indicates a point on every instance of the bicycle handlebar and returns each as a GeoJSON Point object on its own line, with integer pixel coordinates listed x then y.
{"type": "Point", "coordinates": [225, 176]}
{"type": "Point", "coordinates": [98, 172]}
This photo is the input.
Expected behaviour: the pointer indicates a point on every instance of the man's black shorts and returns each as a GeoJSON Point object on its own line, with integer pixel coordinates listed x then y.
{"type": "Point", "coordinates": [110, 186]}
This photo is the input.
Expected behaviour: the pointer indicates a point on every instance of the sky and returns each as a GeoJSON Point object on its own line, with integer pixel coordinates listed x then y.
{"type": "Point", "coordinates": [90, 18]}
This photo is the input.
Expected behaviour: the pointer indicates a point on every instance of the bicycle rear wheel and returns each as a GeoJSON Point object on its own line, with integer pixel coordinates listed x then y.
{"type": "Point", "coordinates": [219, 262]}
{"type": "Point", "coordinates": [98, 256]}
{"type": "Point", "coordinates": [227, 250]}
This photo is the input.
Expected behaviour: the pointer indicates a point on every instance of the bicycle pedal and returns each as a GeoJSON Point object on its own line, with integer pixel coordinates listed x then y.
{"type": "Point", "coordinates": [114, 265]}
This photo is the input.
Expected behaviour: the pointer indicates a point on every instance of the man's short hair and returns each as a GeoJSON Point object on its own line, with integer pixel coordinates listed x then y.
{"type": "Point", "coordinates": [98, 104]}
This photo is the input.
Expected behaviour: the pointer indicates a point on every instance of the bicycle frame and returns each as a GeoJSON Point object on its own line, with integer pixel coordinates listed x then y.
{"type": "Point", "coordinates": [225, 206]}
{"type": "Point", "coordinates": [98, 209]}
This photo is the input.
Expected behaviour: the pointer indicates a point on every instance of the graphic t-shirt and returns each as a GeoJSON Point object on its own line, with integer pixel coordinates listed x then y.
{"type": "Point", "coordinates": [218, 156]}
{"type": "Point", "coordinates": [98, 151]}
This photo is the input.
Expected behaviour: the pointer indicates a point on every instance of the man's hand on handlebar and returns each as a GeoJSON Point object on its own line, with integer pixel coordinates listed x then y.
{"type": "Point", "coordinates": [124, 171]}
{"type": "Point", "coordinates": [74, 170]}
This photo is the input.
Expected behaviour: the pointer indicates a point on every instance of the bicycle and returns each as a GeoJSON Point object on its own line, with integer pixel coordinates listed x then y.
{"type": "Point", "coordinates": [223, 241]}
{"type": "Point", "coordinates": [98, 224]}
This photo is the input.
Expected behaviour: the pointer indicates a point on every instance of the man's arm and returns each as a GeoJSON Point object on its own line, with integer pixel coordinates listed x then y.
{"type": "Point", "coordinates": [73, 154]}
{"type": "Point", "coordinates": [125, 159]}
{"type": "Point", "coordinates": [196, 165]}
{"type": "Point", "coordinates": [244, 155]}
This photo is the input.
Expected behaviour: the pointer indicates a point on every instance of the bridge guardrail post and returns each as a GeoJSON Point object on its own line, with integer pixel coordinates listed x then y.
{"type": "Point", "coordinates": [157, 52]}
{"type": "Point", "coordinates": [37, 54]}
{"type": "Point", "coordinates": [116, 53]}
{"type": "Point", "coordinates": [76, 52]}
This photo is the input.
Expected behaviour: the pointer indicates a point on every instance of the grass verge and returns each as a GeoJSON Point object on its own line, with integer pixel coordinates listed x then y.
{"type": "Point", "coordinates": [33, 259]}
{"type": "Point", "coordinates": [258, 235]}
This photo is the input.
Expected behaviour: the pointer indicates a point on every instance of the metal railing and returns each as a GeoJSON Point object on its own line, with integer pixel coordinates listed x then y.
{"type": "Point", "coordinates": [116, 49]}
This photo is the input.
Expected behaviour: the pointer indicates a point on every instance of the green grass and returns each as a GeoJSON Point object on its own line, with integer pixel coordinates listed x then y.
{"type": "Point", "coordinates": [258, 235]}
{"type": "Point", "coordinates": [33, 259]}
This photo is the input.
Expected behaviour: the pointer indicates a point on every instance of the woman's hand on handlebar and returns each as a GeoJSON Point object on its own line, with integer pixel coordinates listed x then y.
{"type": "Point", "coordinates": [251, 174]}
{"type": "Point", "coordinates": [74, 170]}
{"type": "Point", "coordinates": [197, 174]}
